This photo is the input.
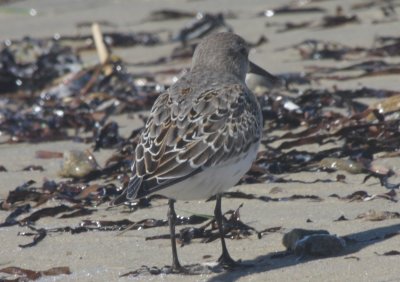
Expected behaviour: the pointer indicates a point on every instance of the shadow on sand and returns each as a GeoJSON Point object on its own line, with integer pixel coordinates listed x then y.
{"type": "Point", "coordinates": [265, 263]}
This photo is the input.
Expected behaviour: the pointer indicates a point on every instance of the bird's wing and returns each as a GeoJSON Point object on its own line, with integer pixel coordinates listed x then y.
{"type": "Point", "coordinates": [181, 139]}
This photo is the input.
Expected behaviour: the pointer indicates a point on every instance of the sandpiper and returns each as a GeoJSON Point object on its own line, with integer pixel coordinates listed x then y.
{"type": "Point", "coordinates": [202, 135]}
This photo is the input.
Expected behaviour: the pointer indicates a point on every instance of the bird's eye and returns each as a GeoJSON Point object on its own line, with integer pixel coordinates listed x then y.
{"type": "Point", "coordinates": [244, 51]}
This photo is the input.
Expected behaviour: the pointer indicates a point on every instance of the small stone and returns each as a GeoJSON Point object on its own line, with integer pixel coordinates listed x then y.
{"type": "Point", "coordinates": [77, 164]}
{"type": "Point", "coordinates": [290, 238]}
{"type": "Point", "coordinates": [319, 245]}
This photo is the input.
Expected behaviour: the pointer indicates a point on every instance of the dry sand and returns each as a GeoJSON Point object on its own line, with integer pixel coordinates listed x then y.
{"type": "Point", "coordinates": [103, 256]}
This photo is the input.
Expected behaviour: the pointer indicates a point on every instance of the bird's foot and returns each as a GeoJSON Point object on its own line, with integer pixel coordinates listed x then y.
{"type": "Point", "coordinates": [229, 263]}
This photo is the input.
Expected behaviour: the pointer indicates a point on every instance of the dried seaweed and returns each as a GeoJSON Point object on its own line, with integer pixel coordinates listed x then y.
{"type": "Point", "coordinates": [168, 14]}
{"type": "Point", "coordinates": [203, 24]}
{"type": "Point", "coordinates": [123, 225]}
{"type": "Point", "coordinates": [368, 68]}
{"type": "Point", "coordinates": [344, 132]}
{"type": "Point", "coordinates": [32, 74]}
{"type": "Point", "coordinates": [268, 231]}
{"type": "Point", "coordinates": [45, 212]}
{"type": "Point", "coordinates": [355, 196]}
{"type": "Point", "coordinates": [83, 101]}
{"type": "Point", "coordinates": [289, 26]}
{"type": "Point", "coordinates": [47, 94]}
{"type": "Point", "coordinates": [312, 49]}
{"type": "Point", "coordinates": [22, 193]}
{"type": "Point", "coordinates": [384, 180]}
{"type": "Point", "coordinates": [352, 257]}
{"type": "Point", "coordinates": [84, 42]}
{"type": "Point", "coordinates": [234, 228]}
{"type": "Point", "coordinates": [48, 154]}
{"type": "Point", "coordinates": [108, 137]}
{"type": "Point", "coordinates": [39, 235]}
{"type": "Point", "coordinates": [79, 212]}
{"type": "Point", "coordinates": [328, 21]}
{"type": "Point", "coordinates": [27, 274]}
{"type": "Point", "coordinates": [241, 195]}
{"type": "Point", "coordinates": [370, 4]}
{"type": "Point", "coordinates": [11, 218]}
{"type": "Point", "coordinates": [338, 20]}
{"type": "Point", "coordinates": [385, 47]}
{"type": "Point", "coordinates": [362, 195]}
{"type": "Point", "coordinates": [389, 253]}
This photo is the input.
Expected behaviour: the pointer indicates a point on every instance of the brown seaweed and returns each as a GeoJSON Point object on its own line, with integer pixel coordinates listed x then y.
{"type": "Point", "coordinates": [338, 20]}
{"type": "Point", "coordinates": [33, 74]}
{"type": "Point", "coordinates": [383, 179]}
{"type": "Point", "coordinates": [45, 212]}
{"type": "Point", "coordinates": [234, 228]}
{"type": "Point", "coordinates": [11, 218]}
{"type": "Point", "coordinates": [108, 137]}
{"type": "Point", "coordinates": [367, 68]}
{"type": "Point", "coordinates": [105, 89]}
{"type": "Point", "coordinates": [389, 253]}
{"type": "Point", "coordinates": [123, 225]}
{"type": "Point", "coordinates": [328, 21]}
{"type": "Point", "coordinates": [27, 274]}
{"type": "Point", "coordinates": [168, 14]}
{"type": "Point", "coordinates": [48, 154]}
{"type": "Point", "coordinates": [312, 49]}
{"type": "Point", "coordinates": [201, 26]}
{"type": "Point", "coordinates": [53, 96]}
{"type": "Point", "coordinates": [241, 195]}
{"type": "Point", "coordinates": [39, 236]}
{"type": "Point", "coordinates": [289, 26]}
{"type": "Point", "coordinates": [23, 193]}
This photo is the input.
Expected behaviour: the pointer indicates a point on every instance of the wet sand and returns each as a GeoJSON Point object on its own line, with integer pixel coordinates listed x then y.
{"type": "Point", "coordinates": [103, 256]}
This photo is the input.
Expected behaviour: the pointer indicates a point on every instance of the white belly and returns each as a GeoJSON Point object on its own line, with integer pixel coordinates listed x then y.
{"type": "Point", "coordinates": [211, 181]}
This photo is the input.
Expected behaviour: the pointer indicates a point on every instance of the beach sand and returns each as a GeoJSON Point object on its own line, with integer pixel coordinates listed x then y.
{"type": "Point", "coordinates": [103, 256]}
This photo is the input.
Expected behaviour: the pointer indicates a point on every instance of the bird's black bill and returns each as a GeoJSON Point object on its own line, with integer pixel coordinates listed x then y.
{"type": "Point", "coordinates": [274, 80]}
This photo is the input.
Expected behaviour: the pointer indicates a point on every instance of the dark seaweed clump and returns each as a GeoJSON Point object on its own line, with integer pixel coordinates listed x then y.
{"type": "Point", "coordinates": [47, 93]}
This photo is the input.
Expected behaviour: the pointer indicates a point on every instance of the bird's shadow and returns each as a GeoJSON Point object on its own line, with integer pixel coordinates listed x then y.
{"type": "Point", "coordinates": [356, 242]}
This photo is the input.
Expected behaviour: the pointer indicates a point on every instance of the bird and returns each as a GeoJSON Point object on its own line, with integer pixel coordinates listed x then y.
{"type": "Point", "coordinates": [202, 134]}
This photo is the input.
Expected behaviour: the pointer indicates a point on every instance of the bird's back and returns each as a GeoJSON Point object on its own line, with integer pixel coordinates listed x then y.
{"type": "Point", "coordinates": [208, 121]}
{"type": "Point", "coordinates": [202, 121]}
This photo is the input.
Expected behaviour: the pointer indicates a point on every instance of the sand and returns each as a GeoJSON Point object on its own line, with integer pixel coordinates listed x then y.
{"type": "Point", "coordinates": [103, 256]}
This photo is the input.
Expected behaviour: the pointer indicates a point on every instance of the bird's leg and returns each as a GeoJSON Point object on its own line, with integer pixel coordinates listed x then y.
{"type": "Point", "coordinates": [176, 266]}
{"type": "Point", "coordinates": [225, 259]}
